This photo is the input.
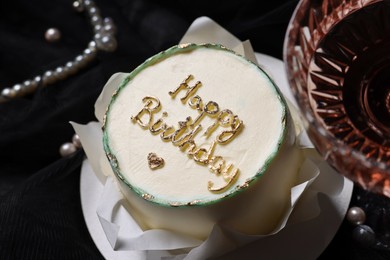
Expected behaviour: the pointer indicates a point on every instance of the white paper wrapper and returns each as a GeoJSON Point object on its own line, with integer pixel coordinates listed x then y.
{"type": "Point", "coordinates": [123, 233]}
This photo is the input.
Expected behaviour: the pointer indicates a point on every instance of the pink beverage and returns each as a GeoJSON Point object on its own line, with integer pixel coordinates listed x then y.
{"type": "Point", "coordinates": [338, 63]}
{"type": "Point", "coordinates": [349, 81]}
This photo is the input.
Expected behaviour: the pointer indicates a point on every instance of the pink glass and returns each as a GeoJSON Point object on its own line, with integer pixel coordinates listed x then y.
{"type": "Point", "coordinates": [337, 59]}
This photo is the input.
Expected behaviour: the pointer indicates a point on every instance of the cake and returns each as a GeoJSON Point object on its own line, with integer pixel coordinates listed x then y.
{"type": "Point", "coordinates": [199, 135]}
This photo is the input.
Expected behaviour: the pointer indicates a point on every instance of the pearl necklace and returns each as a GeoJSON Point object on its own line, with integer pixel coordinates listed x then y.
{"type": "Point", "coordinates": [103, 40]}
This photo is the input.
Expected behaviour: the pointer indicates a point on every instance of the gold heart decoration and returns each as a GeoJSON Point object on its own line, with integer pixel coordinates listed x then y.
{"type": "Point", "coordinates": [154, 161]}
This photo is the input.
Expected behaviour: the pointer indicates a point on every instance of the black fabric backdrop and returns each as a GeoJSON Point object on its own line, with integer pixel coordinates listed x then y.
{"type": "Point", "coordinates": [40, 211]}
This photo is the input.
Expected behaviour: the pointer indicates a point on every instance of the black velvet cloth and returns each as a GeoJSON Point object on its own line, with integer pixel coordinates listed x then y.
{"type": "Point", "coordinates": [40, 211]}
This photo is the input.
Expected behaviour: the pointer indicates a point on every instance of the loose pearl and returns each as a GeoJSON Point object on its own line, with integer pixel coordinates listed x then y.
{"type": "Point", "coordinates": [76, 141]}
{"type": "Point", "coordinates": [356, 216]}
{"type": "Point", "coordinates": [364, 235]}
{"type": "Point", "coordinates": [67, 149]}
{"type": "Point", "coordinates": [52, 35]}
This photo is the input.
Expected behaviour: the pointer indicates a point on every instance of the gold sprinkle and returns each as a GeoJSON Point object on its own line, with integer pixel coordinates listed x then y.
{"type": "Point", "coordinates": [245, 185]}
{"type": "Point", "coordinates": [147, 196]}
{"type": "Point", "coordinates": [184, 45]}
{"type": "Point", "coordinates": [175, 204]}
{"type": "Point", "coordinates": [194, 202]}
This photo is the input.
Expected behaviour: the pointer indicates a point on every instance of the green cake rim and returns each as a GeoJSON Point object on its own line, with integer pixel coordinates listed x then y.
{"type": "Point", "coordinates": [234, 190]}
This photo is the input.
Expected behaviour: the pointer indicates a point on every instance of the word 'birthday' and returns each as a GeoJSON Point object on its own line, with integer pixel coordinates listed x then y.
{"type": "Point", "coordinates": [184, 135]}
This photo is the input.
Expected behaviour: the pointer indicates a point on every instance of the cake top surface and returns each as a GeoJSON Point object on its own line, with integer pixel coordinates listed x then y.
{"type": "Point", "coordinates": [193, 125]}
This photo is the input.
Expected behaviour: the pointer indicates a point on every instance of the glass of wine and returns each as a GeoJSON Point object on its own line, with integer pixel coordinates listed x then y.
{"type": "Point", "coordinates": [337, 59]}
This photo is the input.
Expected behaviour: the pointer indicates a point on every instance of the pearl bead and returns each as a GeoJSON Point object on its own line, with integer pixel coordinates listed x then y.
{"type": "Point", "coordinates": [96, 20]}
{"type": "Point", "coordinates": [27, 83]}
{"type": "Point", "coordinates": [48, 78]}
{"type": "Point", "coordinates": [110, 28]}
{"type": "Point", "coordinates": [60, 73]}
{"type": "Point", "coordinates": [93, 11]}
{"type": "Point", "coordinates": [88, 3]}
{"type": "Point", "coordinates": [71, 68]}
{"type": "Point", "coordinates": [8, 93]}
{"type": "Point", "coordinates": [80, 61]}
{"type": "Point", "coordinates": [30, 86]}
{"type": "Point", "coordinates": [97, 37]}
{"type": "Point", "coordinates": [107, 43]}
{"type": "Point", "coordinates": [37, 80]}
{"type": "Point", "coordinates": [356, 216]}
{"type": "Point", "coordinates": [18, 88]}
{"type": "Point", "coordinates": [27, 86]}
{"type": "Point", "coordinates": [78, 6]}
{"type": "Point", "coordinates": [76, 141]}
{"type": "Point", "coordinates": [364, 235]}
{"type": "Point", "coordinates": [97, 28]}
{"type": "Point", "coordinates": [92, 45]}
{"type": "Point", "coordinates": [108, 20]}
{"type": "Point", "coordinates": [89, 54]}
{"type": "Point", "coordinates": [67, 149]}
{"type": "Point", "coordinates": [52, 35]}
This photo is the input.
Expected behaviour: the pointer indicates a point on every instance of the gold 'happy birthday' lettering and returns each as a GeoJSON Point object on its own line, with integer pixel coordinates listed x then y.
{"type": "Point", "coordinates": [184, 135]}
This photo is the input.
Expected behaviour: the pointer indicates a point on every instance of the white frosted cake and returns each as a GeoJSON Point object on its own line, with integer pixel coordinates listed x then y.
{"type": "Point", "coordinates": [199, 135]}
